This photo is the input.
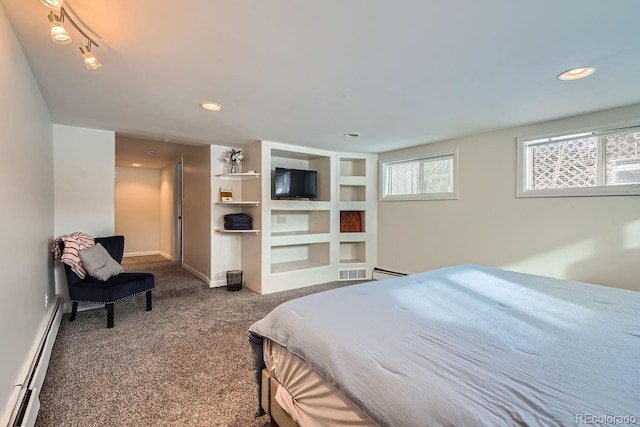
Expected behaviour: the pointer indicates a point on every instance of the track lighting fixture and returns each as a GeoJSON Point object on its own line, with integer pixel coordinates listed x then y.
{"type": "Point", "coordinates": [60, 35]}
{"type": "Point", "coordinates": [90, 60]}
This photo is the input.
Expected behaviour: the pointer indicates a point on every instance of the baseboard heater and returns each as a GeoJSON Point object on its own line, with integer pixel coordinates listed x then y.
{"type": "Point", "coordinates": [381, 273]}
{"type": "Point", "coordinates": [24, 412]}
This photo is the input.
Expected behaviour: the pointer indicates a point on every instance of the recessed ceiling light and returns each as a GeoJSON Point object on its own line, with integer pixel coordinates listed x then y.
{"type": "Point", "coordinates": [136, 165]}
{"type": "Point", "coordinates": [577, 73]}
{"type": "Point", "coordinates": [352, 135]}
{"type": "Point", "coordinates": [150, 153]}
{"type": "Point", "coordinates": [210, 106]}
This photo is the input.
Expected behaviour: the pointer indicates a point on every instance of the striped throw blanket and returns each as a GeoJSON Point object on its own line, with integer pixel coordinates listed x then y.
{"type": "Point", "coordinates": [73, 243]}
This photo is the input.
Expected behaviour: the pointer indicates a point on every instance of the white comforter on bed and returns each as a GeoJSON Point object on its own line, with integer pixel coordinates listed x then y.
{"type": "Point", "coordinates": [472, 346]}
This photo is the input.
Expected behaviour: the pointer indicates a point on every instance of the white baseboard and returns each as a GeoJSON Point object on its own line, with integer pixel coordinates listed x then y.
{"type": "Point", "coordinates": [217, 283]}
{"type": "Point", "coordinates": [162, 254]}
{"type": "Point", "coordinates": [128, 254]}
{"type": "Point", "coordinates": [196, 273]}
{"type": "Point", "coordinates": [24, 402]}
{"type": "Point", "coordinates": [205, 279]}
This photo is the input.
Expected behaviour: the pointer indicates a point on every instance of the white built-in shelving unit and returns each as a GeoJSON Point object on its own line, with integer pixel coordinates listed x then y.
{"type": "Point", "coordinates": [298, 243]}
{"type": "Point", "coordinates": [297, 249]}
{"type": "Point", "coordinates": [357, 184]}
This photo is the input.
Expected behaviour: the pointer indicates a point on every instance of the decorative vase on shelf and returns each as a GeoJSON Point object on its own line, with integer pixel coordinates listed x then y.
{"type": "Point", "coordinates": [236, 168]}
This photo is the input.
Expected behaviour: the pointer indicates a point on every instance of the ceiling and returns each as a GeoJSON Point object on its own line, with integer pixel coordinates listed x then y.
{"type": "Point", "coordinates": [400, 73]}
{"type": "Point", "coordinates": [150, 153]}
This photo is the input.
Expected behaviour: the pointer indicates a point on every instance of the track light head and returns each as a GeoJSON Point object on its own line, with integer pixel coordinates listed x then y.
{"type": "Point", "coordinates": [52, 4]}
{"type": "Point", "coordinates": [59, 34]}
{"type": "Point", "coordinates": [90, 60]}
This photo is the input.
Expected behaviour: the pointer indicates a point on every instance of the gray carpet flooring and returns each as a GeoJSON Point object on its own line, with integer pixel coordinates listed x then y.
{"type": "Point", "coordinates": [186, 363]}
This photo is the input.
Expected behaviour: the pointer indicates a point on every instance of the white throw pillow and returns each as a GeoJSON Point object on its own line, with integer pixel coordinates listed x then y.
{"type": "Point", "coordinates": [98, 262]}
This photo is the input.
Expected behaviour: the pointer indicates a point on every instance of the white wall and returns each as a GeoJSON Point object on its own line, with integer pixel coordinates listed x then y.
{"type": "Point", "coordinates": [137, 193]}
{"type": "Point", "coordinates": [26, 215]}
{"type": "Point", "coordinates": [84, 184]}
{"type": "Point", "coordinates": [592, 239]}
{"type": "Point", "coordinates": [196, 213]}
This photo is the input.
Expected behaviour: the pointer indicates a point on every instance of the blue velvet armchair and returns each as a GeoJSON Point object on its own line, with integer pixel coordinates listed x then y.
{"type": "Point", "coordinates": [116, 288]}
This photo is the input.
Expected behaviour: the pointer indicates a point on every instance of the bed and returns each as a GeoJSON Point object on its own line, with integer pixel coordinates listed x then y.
{"type": "Point", "coordinates": [465, 345]}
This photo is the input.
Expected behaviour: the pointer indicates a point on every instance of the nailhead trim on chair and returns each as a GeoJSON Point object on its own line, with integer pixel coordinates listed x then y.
{"type": "Point", "coordinates": [111, 302]}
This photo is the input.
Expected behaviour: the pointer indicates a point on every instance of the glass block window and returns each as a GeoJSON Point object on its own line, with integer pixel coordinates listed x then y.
{"type": "Point", "coordinates": [425, 178]}
{"type": "Point", "coordinates": [586, 164]}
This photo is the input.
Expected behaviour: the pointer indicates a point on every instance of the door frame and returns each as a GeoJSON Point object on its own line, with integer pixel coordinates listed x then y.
{"type": "Point", "coordinates": [177, 209]}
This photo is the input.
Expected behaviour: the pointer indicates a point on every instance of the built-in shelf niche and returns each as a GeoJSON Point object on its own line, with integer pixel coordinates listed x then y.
{"type": "Point", "coordinates": [353, 252]}
{"type": "Point", "coordinates": [353, 167]}
{"type": "Point", "coordinates": [353, 193]}
{"type": "Point", "coordinates": [307, 161]}
{"type": "Point", "coordinates": [349, 219]}
{"type": "Point", "coordinates": [295, 222]}
{"type": "Point", "coordinates": [298, 257]}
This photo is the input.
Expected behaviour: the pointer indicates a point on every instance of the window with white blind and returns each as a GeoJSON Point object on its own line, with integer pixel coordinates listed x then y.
{"type": "Point", "coordinates": [595, 163]}
{"type": "Point", "coordinates": [424, 178]}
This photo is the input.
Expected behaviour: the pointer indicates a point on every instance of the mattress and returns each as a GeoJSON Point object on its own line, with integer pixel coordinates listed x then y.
{"type": "Point", "coordinates": [471, 346]}
{"type": "Point", "coordinates": [306, 396]}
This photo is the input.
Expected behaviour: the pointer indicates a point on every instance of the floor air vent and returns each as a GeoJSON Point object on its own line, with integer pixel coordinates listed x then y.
{"type": "Point", "coordinates": [352, 274]}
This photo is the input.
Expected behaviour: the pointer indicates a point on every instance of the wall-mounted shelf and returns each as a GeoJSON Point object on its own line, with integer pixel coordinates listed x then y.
{"type": "Point", "coordinates": [241, 204]}
{"type": "Point", "coordinates": [222, 230]}
{"type": "Point", "coordinates": [239, 176]}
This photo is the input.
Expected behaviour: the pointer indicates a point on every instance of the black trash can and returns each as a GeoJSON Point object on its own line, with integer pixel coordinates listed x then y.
{"type": "Point", "coordinates": [234, 280]}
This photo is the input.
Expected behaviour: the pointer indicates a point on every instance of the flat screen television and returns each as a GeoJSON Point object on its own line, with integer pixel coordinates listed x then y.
{"type": "Point", "coordinates": [295, 184]}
